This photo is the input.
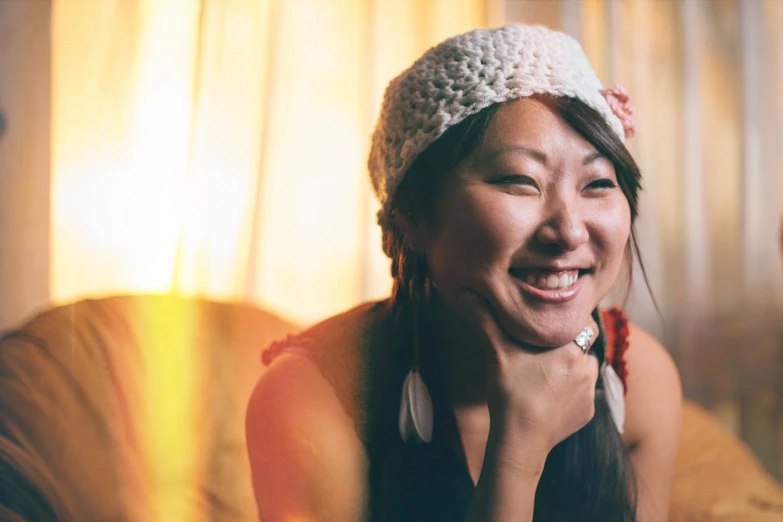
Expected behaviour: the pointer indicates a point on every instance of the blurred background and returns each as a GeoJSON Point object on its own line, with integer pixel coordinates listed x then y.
{"type": "Point", "coordinates": [217, 148]}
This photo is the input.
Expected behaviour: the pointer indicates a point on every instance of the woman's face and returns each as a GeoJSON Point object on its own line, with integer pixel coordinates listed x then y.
{"type": "Point", "coordinates": [534, 221]}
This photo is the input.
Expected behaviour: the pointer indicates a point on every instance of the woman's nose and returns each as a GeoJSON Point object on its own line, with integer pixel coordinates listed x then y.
{"type": "Point", "coordinates": [564, 228]}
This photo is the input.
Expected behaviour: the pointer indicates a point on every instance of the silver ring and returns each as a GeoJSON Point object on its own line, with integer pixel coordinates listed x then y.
{"type": "Point", "coordinates": [583, 339]}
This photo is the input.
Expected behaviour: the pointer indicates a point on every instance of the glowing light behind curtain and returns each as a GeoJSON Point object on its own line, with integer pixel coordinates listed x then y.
{"type": "Point", "coordinates": [121, 117]}
{"type": "Point", "coordinates": [227, 131]}
{"type": "Point", "coordinates": [318, 247]}
{"type": "Point", "coordinates": [156, 136]}
{"type": "Point", "coordinates": [219, 147]}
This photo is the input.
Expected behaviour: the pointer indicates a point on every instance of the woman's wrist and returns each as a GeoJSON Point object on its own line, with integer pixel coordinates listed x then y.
{"type": "Point", "coordinates": [512, 468]}
{"type": "Point", "coordinates": [517, 448]}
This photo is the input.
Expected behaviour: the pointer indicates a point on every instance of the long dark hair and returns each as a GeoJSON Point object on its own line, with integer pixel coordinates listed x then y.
{"type": "Point", "coordinates": [588, 476]}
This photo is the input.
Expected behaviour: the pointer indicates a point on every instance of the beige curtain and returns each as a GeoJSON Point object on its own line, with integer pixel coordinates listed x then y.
{"type": "Point", "coordinates": [218, 147]}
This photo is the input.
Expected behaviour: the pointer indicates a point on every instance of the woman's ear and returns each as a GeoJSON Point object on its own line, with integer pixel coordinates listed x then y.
{"type": "Point", "coordinates": [413, 230]}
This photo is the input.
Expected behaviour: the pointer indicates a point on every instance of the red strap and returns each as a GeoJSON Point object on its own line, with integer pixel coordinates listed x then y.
{"type": "Point", "coordinates": [617, 333]}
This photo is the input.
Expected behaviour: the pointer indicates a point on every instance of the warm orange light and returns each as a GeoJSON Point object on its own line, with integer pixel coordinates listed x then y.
{"type": "Point", "coordinates": [122, 115]}
{"type": "Point", "coordinates": [219, 148]}
{"type": "Point", "coordinates": [223, 152]}
{"type": "Point", "coordinates": [123, 111]}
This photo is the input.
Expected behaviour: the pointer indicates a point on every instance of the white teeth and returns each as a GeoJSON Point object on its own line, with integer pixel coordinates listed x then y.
{"type": "Point", "coordinates": [552, 281]}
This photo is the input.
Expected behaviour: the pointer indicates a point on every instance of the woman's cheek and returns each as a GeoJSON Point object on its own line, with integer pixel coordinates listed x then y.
{"type": "Point", "coordinates": [612, 231]}
{"type": "Point", "coordinates": [466, 255]}
{"type": "Point", "coordinates": [456, 260]}
{"type": "Point", "coordinates": [614, 219]}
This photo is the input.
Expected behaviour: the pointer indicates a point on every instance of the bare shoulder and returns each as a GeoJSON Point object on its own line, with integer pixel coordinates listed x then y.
{"type": "Point", "coordinates": [654, 397]}
{"type": "Point", "coordinates": [306, 459]}
{"type": "Point", "coordinates": [653, 407]}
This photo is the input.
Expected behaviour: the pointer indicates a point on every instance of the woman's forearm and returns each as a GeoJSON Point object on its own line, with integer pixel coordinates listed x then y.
{"type": "Point", "coordinates": [506, 488]}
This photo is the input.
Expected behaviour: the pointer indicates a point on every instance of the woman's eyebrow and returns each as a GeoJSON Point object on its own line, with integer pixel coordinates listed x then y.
{"type": "Point", "coordinates": [535, 154]}
{"type": "Point", "coordinates": [592, 157]}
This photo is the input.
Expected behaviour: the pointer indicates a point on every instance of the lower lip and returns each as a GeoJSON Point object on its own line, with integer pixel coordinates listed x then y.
{"type": "Point", "coordinates": [552, 296]}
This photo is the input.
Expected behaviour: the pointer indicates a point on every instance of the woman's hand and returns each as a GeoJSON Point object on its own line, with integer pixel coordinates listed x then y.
{"type": "Point", "coordinates": [536, 398]}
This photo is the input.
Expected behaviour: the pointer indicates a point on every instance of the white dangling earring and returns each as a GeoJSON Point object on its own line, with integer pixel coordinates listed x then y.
{"type": "Point", "coordinates": [615, 396]}
{"type": "Point", "coordinates": [416, 415]}
{"type": "Point", "coordinates": [415, 409]}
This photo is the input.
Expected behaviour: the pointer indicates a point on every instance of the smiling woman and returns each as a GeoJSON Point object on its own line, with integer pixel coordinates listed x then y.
{"type": "Point", "coordinates": [544, 216]}
{"type": "Point", "coordinates": [474, 393]}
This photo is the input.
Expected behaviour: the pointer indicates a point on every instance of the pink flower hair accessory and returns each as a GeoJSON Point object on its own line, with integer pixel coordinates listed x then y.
{"type": "Point", "coordinates": [620, 102]}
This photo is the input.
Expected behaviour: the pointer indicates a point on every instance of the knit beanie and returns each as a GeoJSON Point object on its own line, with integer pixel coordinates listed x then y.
{"type": "Point", "coordinates": [467, 73]}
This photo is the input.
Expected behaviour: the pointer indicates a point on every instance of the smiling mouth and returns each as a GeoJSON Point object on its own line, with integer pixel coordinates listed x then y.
{"type": "Point", "coordinates": [545, 279]}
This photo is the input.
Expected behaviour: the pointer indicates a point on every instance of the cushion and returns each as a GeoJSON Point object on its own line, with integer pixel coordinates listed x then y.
{"type": "Point", "coordinates": [718, 478]}
{"type": "Point", "coordinates": [130, 408]}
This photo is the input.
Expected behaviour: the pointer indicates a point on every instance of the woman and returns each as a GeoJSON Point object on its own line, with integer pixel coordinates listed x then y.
{"type": "Point", "coordinates": [488, 387]}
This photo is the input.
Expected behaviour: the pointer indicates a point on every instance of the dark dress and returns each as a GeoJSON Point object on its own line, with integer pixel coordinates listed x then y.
{"type": "Point", "coordinates": [365, 355]}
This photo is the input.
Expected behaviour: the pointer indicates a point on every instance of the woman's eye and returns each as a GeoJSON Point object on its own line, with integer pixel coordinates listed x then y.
{"type": "Point", "coordinates": [516, 179]}
{"type": "Point", "coordinates": [602, 184]}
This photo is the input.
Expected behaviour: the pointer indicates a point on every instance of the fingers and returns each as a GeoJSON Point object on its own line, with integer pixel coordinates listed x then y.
{"type": "Point", "coordinates": [593, 367]}
{"type": "Point", "coordinates": [581, 358]}
{"type": "Point", "coordinates": [590, 366]}
{"type": "Point", "coordinates": [587, 338]}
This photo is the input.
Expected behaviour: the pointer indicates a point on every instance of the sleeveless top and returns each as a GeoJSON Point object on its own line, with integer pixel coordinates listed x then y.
{"type": "Point", "coordinates": [407, 480]}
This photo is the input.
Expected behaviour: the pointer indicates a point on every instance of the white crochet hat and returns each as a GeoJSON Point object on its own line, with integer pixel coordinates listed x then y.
{"type": "Point", "coordinates": [465, 74]}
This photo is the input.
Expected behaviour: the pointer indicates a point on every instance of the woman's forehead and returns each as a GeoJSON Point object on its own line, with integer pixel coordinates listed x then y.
{"type": "Point", "coordinates": [530, 128]}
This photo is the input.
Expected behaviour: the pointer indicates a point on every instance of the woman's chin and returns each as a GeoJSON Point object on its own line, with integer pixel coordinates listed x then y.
{"type": "Point", "coordinates": [546, 340]}
{"type": "Point", "coordinates": [545, 334]}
